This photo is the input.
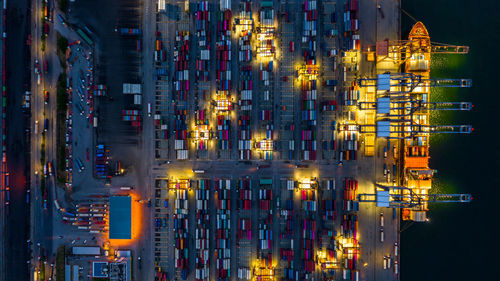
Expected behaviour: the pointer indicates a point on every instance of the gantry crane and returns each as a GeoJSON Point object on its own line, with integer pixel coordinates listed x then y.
{"type": "Point", "coordinates": [407, 82]}
{"type": "Point", "coordinates": [404, 197]}
{"type": "Point", "coordinates": [409, 129]}
{"type": "Point", "coordinates": [412, 105]}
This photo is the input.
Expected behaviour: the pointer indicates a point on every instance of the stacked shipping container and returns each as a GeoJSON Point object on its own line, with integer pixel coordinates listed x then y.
{"type": "Point", "coordinates": [309, 85]}
{"type": "Point", "coordinates": [202, 236]}
{"type": "Point", "coordinates": [181, 230]}
{"type": "Point", "coordinates": [223, 75]}
{"type": "Point", "coordinates": [202, 18]}
{"type": "Point", "coordinates": [351, 24]}
{"type": "Point", "coordinates": [180, 127]}
{"type": "Point", "coordinates": [245, 87]}
{"type": "Point", "coordinates": [349, 229]}
{"type": "Point", "coordinates": [181, 59]}
{"type": "Point", "coordinates": [223, 241]}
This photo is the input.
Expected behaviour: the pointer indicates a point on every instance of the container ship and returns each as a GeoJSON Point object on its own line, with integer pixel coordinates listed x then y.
{"type": "Point", "coordinates": [417, 174]}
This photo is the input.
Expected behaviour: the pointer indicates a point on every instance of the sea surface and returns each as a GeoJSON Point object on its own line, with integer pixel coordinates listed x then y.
{"type": "Point", "coordinates": [461, 240]}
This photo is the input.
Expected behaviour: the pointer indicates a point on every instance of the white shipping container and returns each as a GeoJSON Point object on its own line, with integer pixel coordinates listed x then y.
{"type": "Point", "coordinates": [205, 54]}
{"type": "Point", "coordinates": [265, 75]}
{"type": "Point", "coordinates": [137, 99]}
{"type": "Point", "coordinates": [182, 154]}
{"type": "Point", "coordinates": [161, 5]}
{"type": "Point", "coordinates": [246, 95]}
{"type": "Point", "coordinates": [179, 144]}
{"type": "Point", "coordinates": [266, 95]}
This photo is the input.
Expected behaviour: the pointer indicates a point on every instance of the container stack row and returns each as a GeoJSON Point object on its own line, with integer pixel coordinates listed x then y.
{"type": "Point", "coordinates": [350, 191]}
{"type": "Point", "coordinates": [245, 194]}
{"type": "Point", "coordinates": [329, 248]}
{"type": "Point", "coordinates": [202, 235]}
{"type": "Point", "coordinates": [309, 81]}
{"type": "Point", "coordinates": [286, 213]}
{"type": "Point", "coordinates": [245, 24]}
{"type": "Point", "coordinates": [101, 162]}
{"type": "Point", "coordinates": [223, 222]}
{"type": "Point", "coordinates": [244, 237]}
{"type": "Point", "coordinates": [223, 76]}
{"type": "Point", "coordinates": [181, 232]}
{"type": "Point", "coordinates": [265, 228]}
{"type": "Point", "coordinates": [201, 129]}
{"type": "Point", "coordinates": [90, 217]}
{"type": "Point", "coordinates": [310, 18]}
{"type": "Point", "coordinates": [180, 127]}
{"type": "Point", "coordinates": [202, 19]}
{"type": "Point", "coordinates": [265, 52]}
{"type": "Point", "coordinates": [350, 145]}
{"type": "Point", "coordinates": [349, 230]}
{"type": "Point", "coordinates": [351, 24]}
{"type": "Point", "coordinates": [181, 61]}
{"type": "Point", "coordinates": [308, 235]}
{"type": "Point", "coordinates": [351, 94]}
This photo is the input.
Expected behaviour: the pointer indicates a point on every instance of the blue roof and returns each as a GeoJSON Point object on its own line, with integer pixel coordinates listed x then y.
{"type": "Point", "coordinates": [120, 215]}
{"type": "Point", "coordinates": [98, 269]}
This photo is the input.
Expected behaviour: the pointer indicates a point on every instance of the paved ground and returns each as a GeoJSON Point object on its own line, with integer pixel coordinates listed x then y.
{"type": "Point", "coordinates": [366, 170]}
{"type": "Point", "coordinates": [119, 62]}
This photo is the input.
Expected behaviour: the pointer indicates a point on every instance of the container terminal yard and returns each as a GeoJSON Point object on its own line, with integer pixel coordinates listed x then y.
{"type": "Point", "coordinates": [227, 140]}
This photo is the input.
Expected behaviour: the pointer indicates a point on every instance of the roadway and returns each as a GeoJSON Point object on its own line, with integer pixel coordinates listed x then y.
{"type": "Point", "coordinates": [42, 218]}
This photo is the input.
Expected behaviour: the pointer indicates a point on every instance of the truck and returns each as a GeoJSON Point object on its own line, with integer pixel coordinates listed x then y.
{"type": "Point", "coordinates": [46, 95]}
{"type": "Point", "coordinates": [27, 101]}
{"type": "Point", "coordinates": [331, 82]}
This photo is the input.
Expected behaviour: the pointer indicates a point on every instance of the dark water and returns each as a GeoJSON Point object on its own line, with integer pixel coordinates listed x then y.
{"type": "Point", "coordinates": [460, 242]}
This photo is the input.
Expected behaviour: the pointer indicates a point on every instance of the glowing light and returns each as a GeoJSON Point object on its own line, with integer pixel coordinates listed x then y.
{"type": "Point", "coordinates": [307, 183]}
{"type": "Point", "coordinates": [179, 184]}
{"type": "Point", "coordinates": [137, 210]}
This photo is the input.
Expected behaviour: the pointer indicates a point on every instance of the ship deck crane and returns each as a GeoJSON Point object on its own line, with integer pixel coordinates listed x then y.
{"type": "Point", "coordinates": [400, 51]}
{"type": "Point", "coordinates": [409, 199]}
{"type": "Point", "coordinates": [442, 48]}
